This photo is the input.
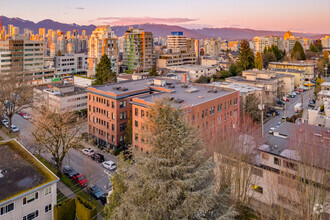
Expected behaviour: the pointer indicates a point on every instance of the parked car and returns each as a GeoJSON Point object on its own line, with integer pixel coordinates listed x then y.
{"type": "Point", "coordinates": [14, 128]}
{"type": "Point", "coordinates": [271, 130]}
{"type": "Point", "coordinates": [110, 165]}
{"type": "Point", "coordinates": [305, 88]}
{"type": "Point", "coordinates": [22, 113]}
{"type": "Point", "coordinates": [80, 179]}
{"type": "Point", "coordinates": [98, 157]}
{"type": "Point", "coordinates": [286, 99]}
{"type": "Point", "coordinates": [88, 151]}
{"type": "Point", "coordinates": [5, 122]}
{"type": "Point", "coordinates": [279, 123]}
{"type": "Point", "coordinates": [95, 191]}
{"type": "Point", "coordinates": [67, 170]}
{"type": "Point", "coordinates": [27, 116]}
{"type": "Point", "coordinates": [283, 118]}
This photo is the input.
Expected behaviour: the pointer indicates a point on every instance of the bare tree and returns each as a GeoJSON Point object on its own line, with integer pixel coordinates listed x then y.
{"type": "Point", "coordinates": [15, 95]}
{"type": "Point", "coordinates": [57, 132]}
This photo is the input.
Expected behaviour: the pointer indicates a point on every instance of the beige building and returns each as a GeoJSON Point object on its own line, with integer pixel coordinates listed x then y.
{"type": "Point", "coordinates": [275, 85]}
{"type": "Point", "coordinates": [175, 59]}
{"type": "Point", "coordinates": [61, 97]}
{"type": "Point", "coordinates": [102, 41]}
{"type": "Point", "coordinates": [302, 71]}
{"type": "Point", "coordinates": [28, 188]}
{"type": "Point", "coordinates": [195, 71]}
{"type": "Point", "coordinates": [212, 47]}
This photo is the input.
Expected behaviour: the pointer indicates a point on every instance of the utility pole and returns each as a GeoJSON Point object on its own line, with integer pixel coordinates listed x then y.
{"type": "Point", "coordinates": [261, 108]}
{"type": "Point", "coordinates": [326, 72]}
{"type": "Point", "coordinates": [285, 108]}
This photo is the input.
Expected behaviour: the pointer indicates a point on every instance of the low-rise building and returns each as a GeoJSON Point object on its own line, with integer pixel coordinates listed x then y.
{"type": "Point", "coordinates": [176, 59]}
{"type": "Point", "coordinates": [61, 97]}
{"type": "Point", "coordinates": [28, 188]}
{"type": "Point", "coordinates": [195, 71]}
{"type": "Point", "coordinates": [71, 64]}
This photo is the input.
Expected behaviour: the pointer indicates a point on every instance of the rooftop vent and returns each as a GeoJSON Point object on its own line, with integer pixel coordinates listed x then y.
{"type": "Point", "coordinates": [191, 90]}
{"type": "Point", "coordinates": [200, 97]}
{"type": "Point", "coordinates": [212, 91]}
{"type": "Point", "coordinates": [184, 85]}
{"type": "Point", "coordinates": [171, 86]}
{"type": "Point", "coordinates": [120, 88]}
{"type": "Point", "coordinates": [177, 100]}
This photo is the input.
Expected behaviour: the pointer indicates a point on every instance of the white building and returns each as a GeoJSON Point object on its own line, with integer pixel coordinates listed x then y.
{"type": "Point", "coordinates": [195, 71]}
{"type": "Point", "coordinates": [71, 64]}
{"type": "Point", "coordinates": [28, 188]}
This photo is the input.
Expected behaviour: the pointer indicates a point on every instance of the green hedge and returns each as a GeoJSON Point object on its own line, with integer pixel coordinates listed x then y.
{"type": "Point", "coordinates": [84, 209]}
{"type": "Point", "coordinates": [65, 210]}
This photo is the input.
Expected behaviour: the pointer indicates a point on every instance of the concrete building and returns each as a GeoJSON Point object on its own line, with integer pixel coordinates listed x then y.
{"type": "Point", "coordinates": [138, 50]}
{"type": "Point", "coordinates": [303, 71]}
{"type": "Point", "coordinates": [24, 58]}
{"type": "Point", "coordinates": [175, 59]}
{"type": "Point", "coordinates": [290, 162]}
{"type": "Point", "coordinates": [110, 106]}
{"type": "Point", "coordinates": [102, 41]}
{"type": "Point", "coordinates": [326, 42]}
{"type": "Point", "coordinates": [275, 85]}
{"type": "Point", "coordinates": [71, 64]}
{"type": "Point", "coordinates": [195, 71]}
{"type": "Point", "coordinates": [61, 97]}
{"type": "Point", "coordinates": [28, 188]}
{"type": "Point", "coordinates": [212, 47]}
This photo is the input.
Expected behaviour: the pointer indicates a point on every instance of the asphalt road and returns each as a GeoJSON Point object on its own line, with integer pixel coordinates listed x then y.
{"type": "Point", "coordinates": [272, 122]}
{"type": "Point", "coordinates": [93, 171]}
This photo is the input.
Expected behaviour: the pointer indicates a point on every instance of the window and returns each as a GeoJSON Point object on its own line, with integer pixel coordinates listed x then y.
{"type": "Point", "coordinates": [265, 156]}
{"type": "Point", "coordinates": [122, 127]}
{"type": "Point", "coordinates": [220, 108]}
{"type": "Point", "coordinates": [48, 208]}
{"type": "Point", "coordinates": [112, 127]}
{"type": "Point", "coordinates": [6, 209]}
{"type": "Point", "coordinates": [123, 115]}
{"type": "Point", "coordinates": [48, 190]}
{"type": "Point", "coordinates": [290, 165]}
{"type": "Point", "coordinates": [212, 110]}
{"type": "Point", "coordinates": [112, 115]}
{"type": "Point", "coordinates": [121, 138]}
{"type": "Point", "coordinates": [122, 104]}
{"type": "Point", "coordinates": [257, 188]}
{"type": "Point", "coordinates": [31, 216]}
{"type": "Point", "coordinates": [112, 104]}
{"type": "Point", "coordinates": [113, 138]}
{"type": "Point", "coordinates": [203, 114]}
{"type": "Point", "coordinates": [235, 101]}
{"type": "Point", "coordinates": [277, 161]}
{"type": "Point", "coordinates": [142, 113]}
{"type": "Point", "coordinates": [107, 103]}
{"type": "Point", "coordinates": [136, 124]}
{"type": "Point", "coordinates": [136, 112]}
{"type": "Point", "coordinates": [136, 136]}
{"type": "Point", "coordinates": [30, 198]}
{"type": "Point", "coordinates": [107, 125]}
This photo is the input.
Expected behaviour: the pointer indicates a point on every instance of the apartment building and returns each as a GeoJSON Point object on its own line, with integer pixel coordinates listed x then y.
{"type": "Point", "coordinates": [212, 47]}
{"type": "Point", "coordinates": [24, 58]}
{"type": "Point", "coordinates": [28, 188]}
{"type": "Point", "coordinates": [110, 106]}
{"type": "Point", "coordinates": [138, 50]}
{"type": "Point", "coordinates": [71, 64]}
{"type": "Point", "coordinates": [287, 176]}
{"type": "Point", "coordinates": [274, 85]}
{"type": "Point", "coordinates": [61, 97]}
{"type": "Point", "coordinates": [175, 59]}
{"type": "Point", "coordinates": [303, 71]}
{"type": "Point", "coordinates": [195, 71]}
{"type": "Point", "coordinates": [102, 41]}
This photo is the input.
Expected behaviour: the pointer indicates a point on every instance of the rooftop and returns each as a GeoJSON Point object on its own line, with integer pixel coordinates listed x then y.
{"type": "Point", "coordinates": [292, 63]}
{"type": "Point", "coordinates": [56, 89]}
{"type": "Point", "coordinates": [287, 70]}
{"type": "Point", "coordinates": [242, 88]}
{"type": "Point", "coordinates": [21, 171]}
{"type": "Point", "coordinates": [257, 71]}
{"type": "Point", "coordinates": [190, 67]}
{"type": "Point", "coordinates": [325, 84]}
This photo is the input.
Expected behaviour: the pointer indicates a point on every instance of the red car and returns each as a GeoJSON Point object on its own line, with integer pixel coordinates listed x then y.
{"type": "Point", "coordinates": [286, 100]}
{"type": "Point", "coordinates": [80, 179]}
{"type": "Point", "coordinates": [22, 114]}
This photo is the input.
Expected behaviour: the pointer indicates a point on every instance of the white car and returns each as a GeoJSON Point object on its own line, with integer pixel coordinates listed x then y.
{"type": "Point", "coordinates": [26, 116]}
{"type": "Point", "coordinates": [14, 128]}
{"type": "Point", "coordinates": [88, 151]}
{"type": "Point", "coordinates": [5, 122]}
{"type": "Point", "coordinates": [110, 165]}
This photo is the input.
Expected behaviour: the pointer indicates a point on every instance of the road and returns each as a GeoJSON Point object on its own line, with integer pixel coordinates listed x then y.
{"type": "Point", "coordinates": [272, 122]}
{"type": "Point", "coordinates": [93, 171]}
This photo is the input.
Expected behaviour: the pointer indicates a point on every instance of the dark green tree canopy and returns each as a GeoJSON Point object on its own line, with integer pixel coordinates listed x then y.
{"type": "Point", "coordinates": [104, 73]}
{"type": "Point", "coordinates": [298, 52]}
{"type": "Point", "coordinates": [267, 58]}
{"type": "Point", "coordinates": [246, 56]}
{"type": "Point", "coordinates": [153, 71]}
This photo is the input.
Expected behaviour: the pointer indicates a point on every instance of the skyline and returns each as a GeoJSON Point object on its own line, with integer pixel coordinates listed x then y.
{"type": "Point", "coordinates": [297, 16]}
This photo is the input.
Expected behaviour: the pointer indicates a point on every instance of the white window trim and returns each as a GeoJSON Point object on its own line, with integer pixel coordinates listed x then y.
{"type": "Point", "coordinates": [7, 205]}
{"type": "Point", "coordinates": [31, 201]}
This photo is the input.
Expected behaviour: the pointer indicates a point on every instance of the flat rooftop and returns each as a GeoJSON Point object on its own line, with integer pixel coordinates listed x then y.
{"type": "Point", "coordinates": [77, 90]}
{"type": "Point", "coordinates": [288, 70]}
{"type": "Point", "coordinates": [292, 64]}
{"type": "Point", "coordinates": [242, 88]}
{"type": "Point", "coordinates": [190, 67]}
{"type": "Point", "coordinates": [257, 71]}
{"type": "Point", "coordinates": [242, 79]}
{"type": "Point", "coordinates": [20, 171]}
{"type": "Point", "coordinates": [325, 84]}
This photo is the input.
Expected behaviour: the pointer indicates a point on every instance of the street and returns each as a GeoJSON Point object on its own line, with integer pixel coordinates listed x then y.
{"type": "Point", "coordinates": [272, 122]}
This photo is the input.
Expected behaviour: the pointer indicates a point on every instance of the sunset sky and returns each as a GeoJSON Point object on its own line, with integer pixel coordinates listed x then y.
{"type": "Point", "coordinates": [295, 15]}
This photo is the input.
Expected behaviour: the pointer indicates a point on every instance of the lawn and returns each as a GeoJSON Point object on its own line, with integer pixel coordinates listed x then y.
{"type": "Point", "coordinates": [6, 131]}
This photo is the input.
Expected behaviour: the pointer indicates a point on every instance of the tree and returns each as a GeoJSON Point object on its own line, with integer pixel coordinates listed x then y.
{"type": "Point", "coordinates": [317, 89]}
{"type": "Point", "coordinates": [298, 52]}
{"type": "Point", "coordinates": [174, 181]}
{"type": "Point", "coordinates": [203, 79]}
{"type": "Point", "coordinates": [326, 58]}
{"type": "Point", "coordinates": [246, 56]}
{"type": "Point", "coordinates": [234, 69]}
{"type": "Point", "coordinates": [128, 131]}
{"type": "Point", "coordinates": [279, 54]}
{"type": "Point", "coordinates": [153, 71]}
{"type": "Point", "coordinates": [314, 48]}
{"type": "Point", "coordinates": [56, 132]}
{"type": "Point", "coordinates": [318, 44]}
{"type": "Point", "coordinates": [104, 73]}
{"type": "Point", "coordinates": [320, 65]}
{"type": "Point", "coordinates": [267, 58]}
{"type": "Point", "coordinates": [258, 61]}
{"type": "Point", "coordinates": [15, 95]}
{"type": "Point", "coordinates": [250, 107]}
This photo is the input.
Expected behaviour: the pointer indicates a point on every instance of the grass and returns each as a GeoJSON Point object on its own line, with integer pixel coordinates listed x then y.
{"type": "Point", "coordinates": [75, 188]}
{"type": "Point", "coordinates": [6, 131]}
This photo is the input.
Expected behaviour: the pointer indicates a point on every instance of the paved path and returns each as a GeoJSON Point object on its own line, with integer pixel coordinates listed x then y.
{"type": "Point", "coordinates": [65, 190]}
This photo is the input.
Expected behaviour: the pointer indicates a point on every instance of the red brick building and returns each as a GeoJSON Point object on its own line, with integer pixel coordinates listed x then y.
{"type": "Point", "coordinates": [207, 108]}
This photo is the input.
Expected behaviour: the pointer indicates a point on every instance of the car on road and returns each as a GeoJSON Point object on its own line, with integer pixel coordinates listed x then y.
{"type": "Point", "coordinates": [88, 151]}
{"type": "Point", "coordinates": [80, 179]}
{"type": "Point", "coordinates": [95, 191]}
{"type": "Point", "coordinates": [283, 118]}
{"type": "Point", "coordinates": [286, 99]}
{"type": "Point", "coordinates": [98, 157]}
{"type": "Point", "coordinates": [67, 170]}
{"type": "Point", "coordinates": [271, 130]}
{"type": "Point", "coordinates": [27, 116]}
{"type": "Point", "coordinates": [110, 165]}
{"type": "Point", "coordinates": [309, 84]}
{"type": "Point", "coordinates": [279, 123]}
{"type": "Point", "coordinates": [14, 128]}
{"type": "Point", "coordinates": [5, 122]}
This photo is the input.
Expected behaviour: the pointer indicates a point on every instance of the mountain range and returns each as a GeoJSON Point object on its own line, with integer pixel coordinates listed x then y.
{"type": "Point", "coordinates": [158, 30]}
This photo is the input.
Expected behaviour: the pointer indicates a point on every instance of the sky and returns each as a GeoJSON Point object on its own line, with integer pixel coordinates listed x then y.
{"type": "Point", "coordinates": [282, 15]}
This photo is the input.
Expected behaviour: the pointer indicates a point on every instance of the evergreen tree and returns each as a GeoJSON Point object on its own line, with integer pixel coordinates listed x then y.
{"type": "Point", "coordinates": [279, 54]}
{"type": "Point", "coordinates": [174, 181]}
{"type": "Point", "coordinates": [234, 70]}
{"type": "Point", "coordinates": [246, 56]}
{"type": "Point", "coordinates": [326, 58]}
{"type": "Point", "coordinates": [313, 48]}
{"type": "Point", "coordinates": [250, 106]}
{"type": "Point", "coordinates": [104, 73]}
{"type": "Point", "coordinates": [267, 58]}
{"type": "Point", "coordinates": [318, 44]}
{"type": "Point", "coordinates": [298, 52]}
{"type": "Point", "coordinates": [153, 71]}
{"type": "Point", "coordinates": [258, 61]}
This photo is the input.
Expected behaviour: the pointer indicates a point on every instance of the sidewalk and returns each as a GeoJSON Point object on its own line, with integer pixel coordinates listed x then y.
{"type": "Point", "coordinates": [65, 190]}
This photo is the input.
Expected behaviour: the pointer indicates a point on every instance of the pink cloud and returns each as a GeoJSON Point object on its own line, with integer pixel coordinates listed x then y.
{"type": "Point", "coordinates": [141, 20]}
